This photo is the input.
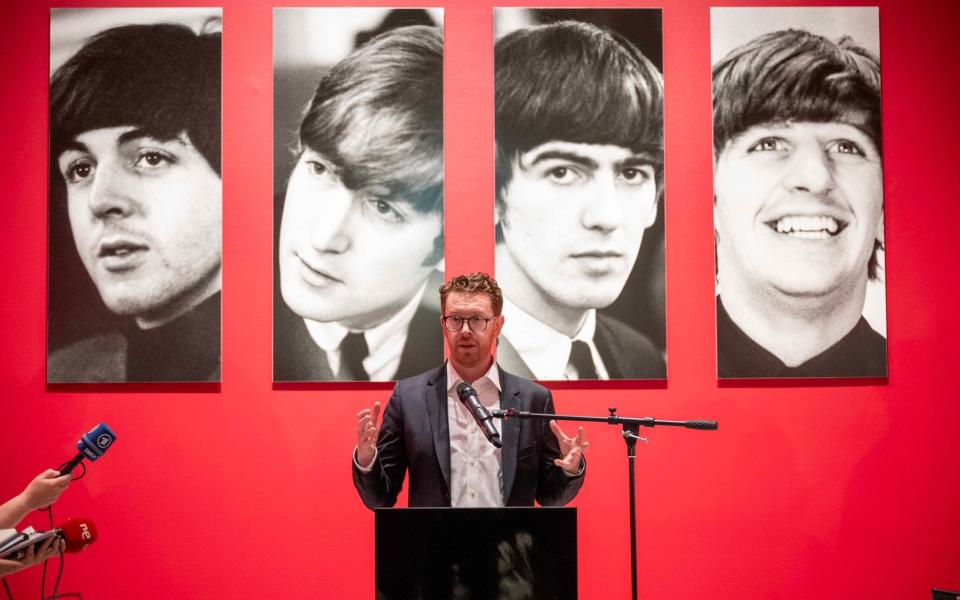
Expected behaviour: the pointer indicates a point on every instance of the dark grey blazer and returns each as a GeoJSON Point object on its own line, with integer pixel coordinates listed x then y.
{"type": "Point", "coordinates": [296, 357]}
{"type": "Point", "coordinates": [626, 353]}
{"type": "Point", "coordinates": [415, 437]}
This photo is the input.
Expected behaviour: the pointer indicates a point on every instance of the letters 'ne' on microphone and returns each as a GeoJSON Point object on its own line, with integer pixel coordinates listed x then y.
{"type": "Point", "coordinates": [91, 446]}
{"type": "Point", "coordinates": [78, 533]}
{"type": "Point", "coordinates": [480, 414]}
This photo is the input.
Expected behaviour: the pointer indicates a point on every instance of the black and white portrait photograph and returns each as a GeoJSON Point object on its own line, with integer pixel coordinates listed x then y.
{"type": "Point", "coordinates": [358, 193]}
{"type": "Point", "coordinates": [579, 192]}
{"type": "Point", "coordinates": [135, 196]}
{"type": "Point", "coordinates": [798, 193]}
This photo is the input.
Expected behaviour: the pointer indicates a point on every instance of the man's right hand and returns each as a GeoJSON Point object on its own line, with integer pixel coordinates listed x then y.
{"type": "Point", "coordinates": [367, 432]}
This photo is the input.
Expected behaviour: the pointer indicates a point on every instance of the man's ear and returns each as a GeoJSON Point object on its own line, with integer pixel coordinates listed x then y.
{"type": "Point", "coordinates": [499, 320]}
{"type": "Point", "coordinates": [880, 229]}
{"type": "Point", "coordinates": [435, 259]}
{"type": "Point", "coordinates": [716, 233]}
{"type": "Point", "coordinates": [652, 216]}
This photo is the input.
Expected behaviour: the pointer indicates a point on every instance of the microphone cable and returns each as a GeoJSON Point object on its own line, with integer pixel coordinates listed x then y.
{"type": "Point", "coordinates": [43, 576]}
{"type": "Point", "coordinates": [43, 580]}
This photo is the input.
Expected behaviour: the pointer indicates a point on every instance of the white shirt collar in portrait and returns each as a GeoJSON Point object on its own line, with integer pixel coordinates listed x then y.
{"type": "Point", "coordinates": [476, 465]}
{"type": "Point", "coordinates": [545, 350]}
{"type": "Point", "coordinates": [385, 341]}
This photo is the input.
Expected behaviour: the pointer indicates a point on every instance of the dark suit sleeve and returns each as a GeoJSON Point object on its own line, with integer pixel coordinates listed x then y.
{"type": "Point", "coordinates": [380, 487]}
{"type": "Point", "coordinates": [554, 487]}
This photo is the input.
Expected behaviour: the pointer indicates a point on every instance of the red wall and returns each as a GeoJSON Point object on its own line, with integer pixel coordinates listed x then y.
{"type": "Point", "coordinates": [806, 491]}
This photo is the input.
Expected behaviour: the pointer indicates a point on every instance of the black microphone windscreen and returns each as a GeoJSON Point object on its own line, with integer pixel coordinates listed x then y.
{"type": "Point", "coordinates": [465, 390]}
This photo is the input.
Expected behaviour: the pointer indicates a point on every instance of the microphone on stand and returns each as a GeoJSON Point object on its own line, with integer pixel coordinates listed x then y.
{"type": "Point", "coordinates": [479, 412]}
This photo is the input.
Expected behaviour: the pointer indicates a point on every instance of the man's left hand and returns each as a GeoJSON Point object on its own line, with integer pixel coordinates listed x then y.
{"type": "Point", "coordinates": [571, 449]}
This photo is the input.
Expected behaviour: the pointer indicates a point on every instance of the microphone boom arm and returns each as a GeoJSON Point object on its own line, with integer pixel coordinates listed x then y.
{"type": "Point", "coordinates": [611, 419]}
{"type": "Point", "coordinates": [631, 428]}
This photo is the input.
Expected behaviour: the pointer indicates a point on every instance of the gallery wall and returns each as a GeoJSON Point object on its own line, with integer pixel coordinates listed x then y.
{"type": "Point", "coordinates": [242, 490]}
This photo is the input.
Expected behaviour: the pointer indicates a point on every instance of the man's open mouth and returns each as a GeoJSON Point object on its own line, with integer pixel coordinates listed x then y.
{"type": "Point", "coordinates": [121, 255]}
{"type": "Point", "coordinates": [817, 227]}
{"type": "Point", "coordinates": [120, 249]}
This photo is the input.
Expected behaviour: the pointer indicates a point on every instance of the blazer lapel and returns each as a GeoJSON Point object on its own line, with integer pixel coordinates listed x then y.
{"type": "Point", "coordinates": [508, 355]}
{"type": "Point", "coordinates": [435, 397]}
{"type": "Point", "coordinates": [614, 361]}
{"type": "Point", "coordinates": [509, 431]}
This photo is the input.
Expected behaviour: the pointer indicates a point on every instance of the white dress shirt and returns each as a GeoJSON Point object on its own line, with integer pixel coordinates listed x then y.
{"type": "Point", "coordinates": [476, 465]}
{"type": "Point", "coordinates": [544, 349]}
{"type": "Point", "coordinates": [385, 341]}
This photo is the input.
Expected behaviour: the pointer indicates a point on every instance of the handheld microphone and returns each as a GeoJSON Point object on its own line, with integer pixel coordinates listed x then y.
{"type": "Point", "coordinates": [78, 533]}
{"type": "Point", "coordinates": [480, 414]}
{"type": "Point", "coordinates": [91, 446]}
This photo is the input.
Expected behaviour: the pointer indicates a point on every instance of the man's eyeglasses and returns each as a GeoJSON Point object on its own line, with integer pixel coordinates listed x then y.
{"type": "Point", "coordinates": [476, 324]}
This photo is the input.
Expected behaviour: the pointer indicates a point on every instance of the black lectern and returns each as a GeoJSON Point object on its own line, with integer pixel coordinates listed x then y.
{"type": "Point", "coordinates": [476, 553]}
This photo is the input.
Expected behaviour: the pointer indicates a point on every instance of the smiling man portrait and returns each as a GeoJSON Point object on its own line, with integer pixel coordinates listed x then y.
{"type": "Point", "coordinates": [798, 200]}
{"type": "Point", "coordinates": [135, 142]}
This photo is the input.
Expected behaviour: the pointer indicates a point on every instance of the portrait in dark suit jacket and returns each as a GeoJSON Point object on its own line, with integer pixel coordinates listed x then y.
{"type": "Point", "coordinates": [302, 360]}
{"type": "Point", "coordinates": [579, 169]}
{"type": "Point", "coordinates": [626, 353]}
{"type": "Point", "coordinates": [360, 215]}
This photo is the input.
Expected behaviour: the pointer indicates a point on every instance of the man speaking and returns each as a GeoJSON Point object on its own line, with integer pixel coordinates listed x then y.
{"type": "Point", "coordinates": [428, 430]}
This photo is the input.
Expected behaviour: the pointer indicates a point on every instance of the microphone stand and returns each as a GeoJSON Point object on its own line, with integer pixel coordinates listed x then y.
{"type": "Point", "coordinates": [631, 433]}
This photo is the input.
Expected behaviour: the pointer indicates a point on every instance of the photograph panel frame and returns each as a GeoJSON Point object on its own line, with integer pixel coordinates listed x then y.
{"type": "Point", "coordinates": [358, 193]}
{"type": "Point", "coordinates": [135, 196]}
{"type": "Point", "coordinates": [800, 251]}
{"type": "Point", "coordinates": [580, 257]}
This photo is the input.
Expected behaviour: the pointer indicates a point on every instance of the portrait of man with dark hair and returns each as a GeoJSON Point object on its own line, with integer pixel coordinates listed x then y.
{"type": "Point", "coordinates": [798, 194]}
{"type": "Point", "coordinates": [135, 163]}
{"type": "Point", "coordinates": [579, 179]}
{"type": "Point", "coordinates": [361, 219]}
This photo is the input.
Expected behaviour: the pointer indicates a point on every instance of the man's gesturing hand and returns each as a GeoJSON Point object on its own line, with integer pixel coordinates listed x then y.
{"type": "Point", "coordinates": [367, 432]}
{"type": "Point", "coordinates": [571, 449]}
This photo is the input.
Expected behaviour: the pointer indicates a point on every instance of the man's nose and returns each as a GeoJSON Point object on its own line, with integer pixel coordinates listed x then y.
{"type": "Point", "coordinates": [331, 230]}
{"type": "Point", "coordinates": [810, 171]}
{"type": "Point", "coordinates": [601, 209]}
{"type": "Point", "coordinates": [112, 194]}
